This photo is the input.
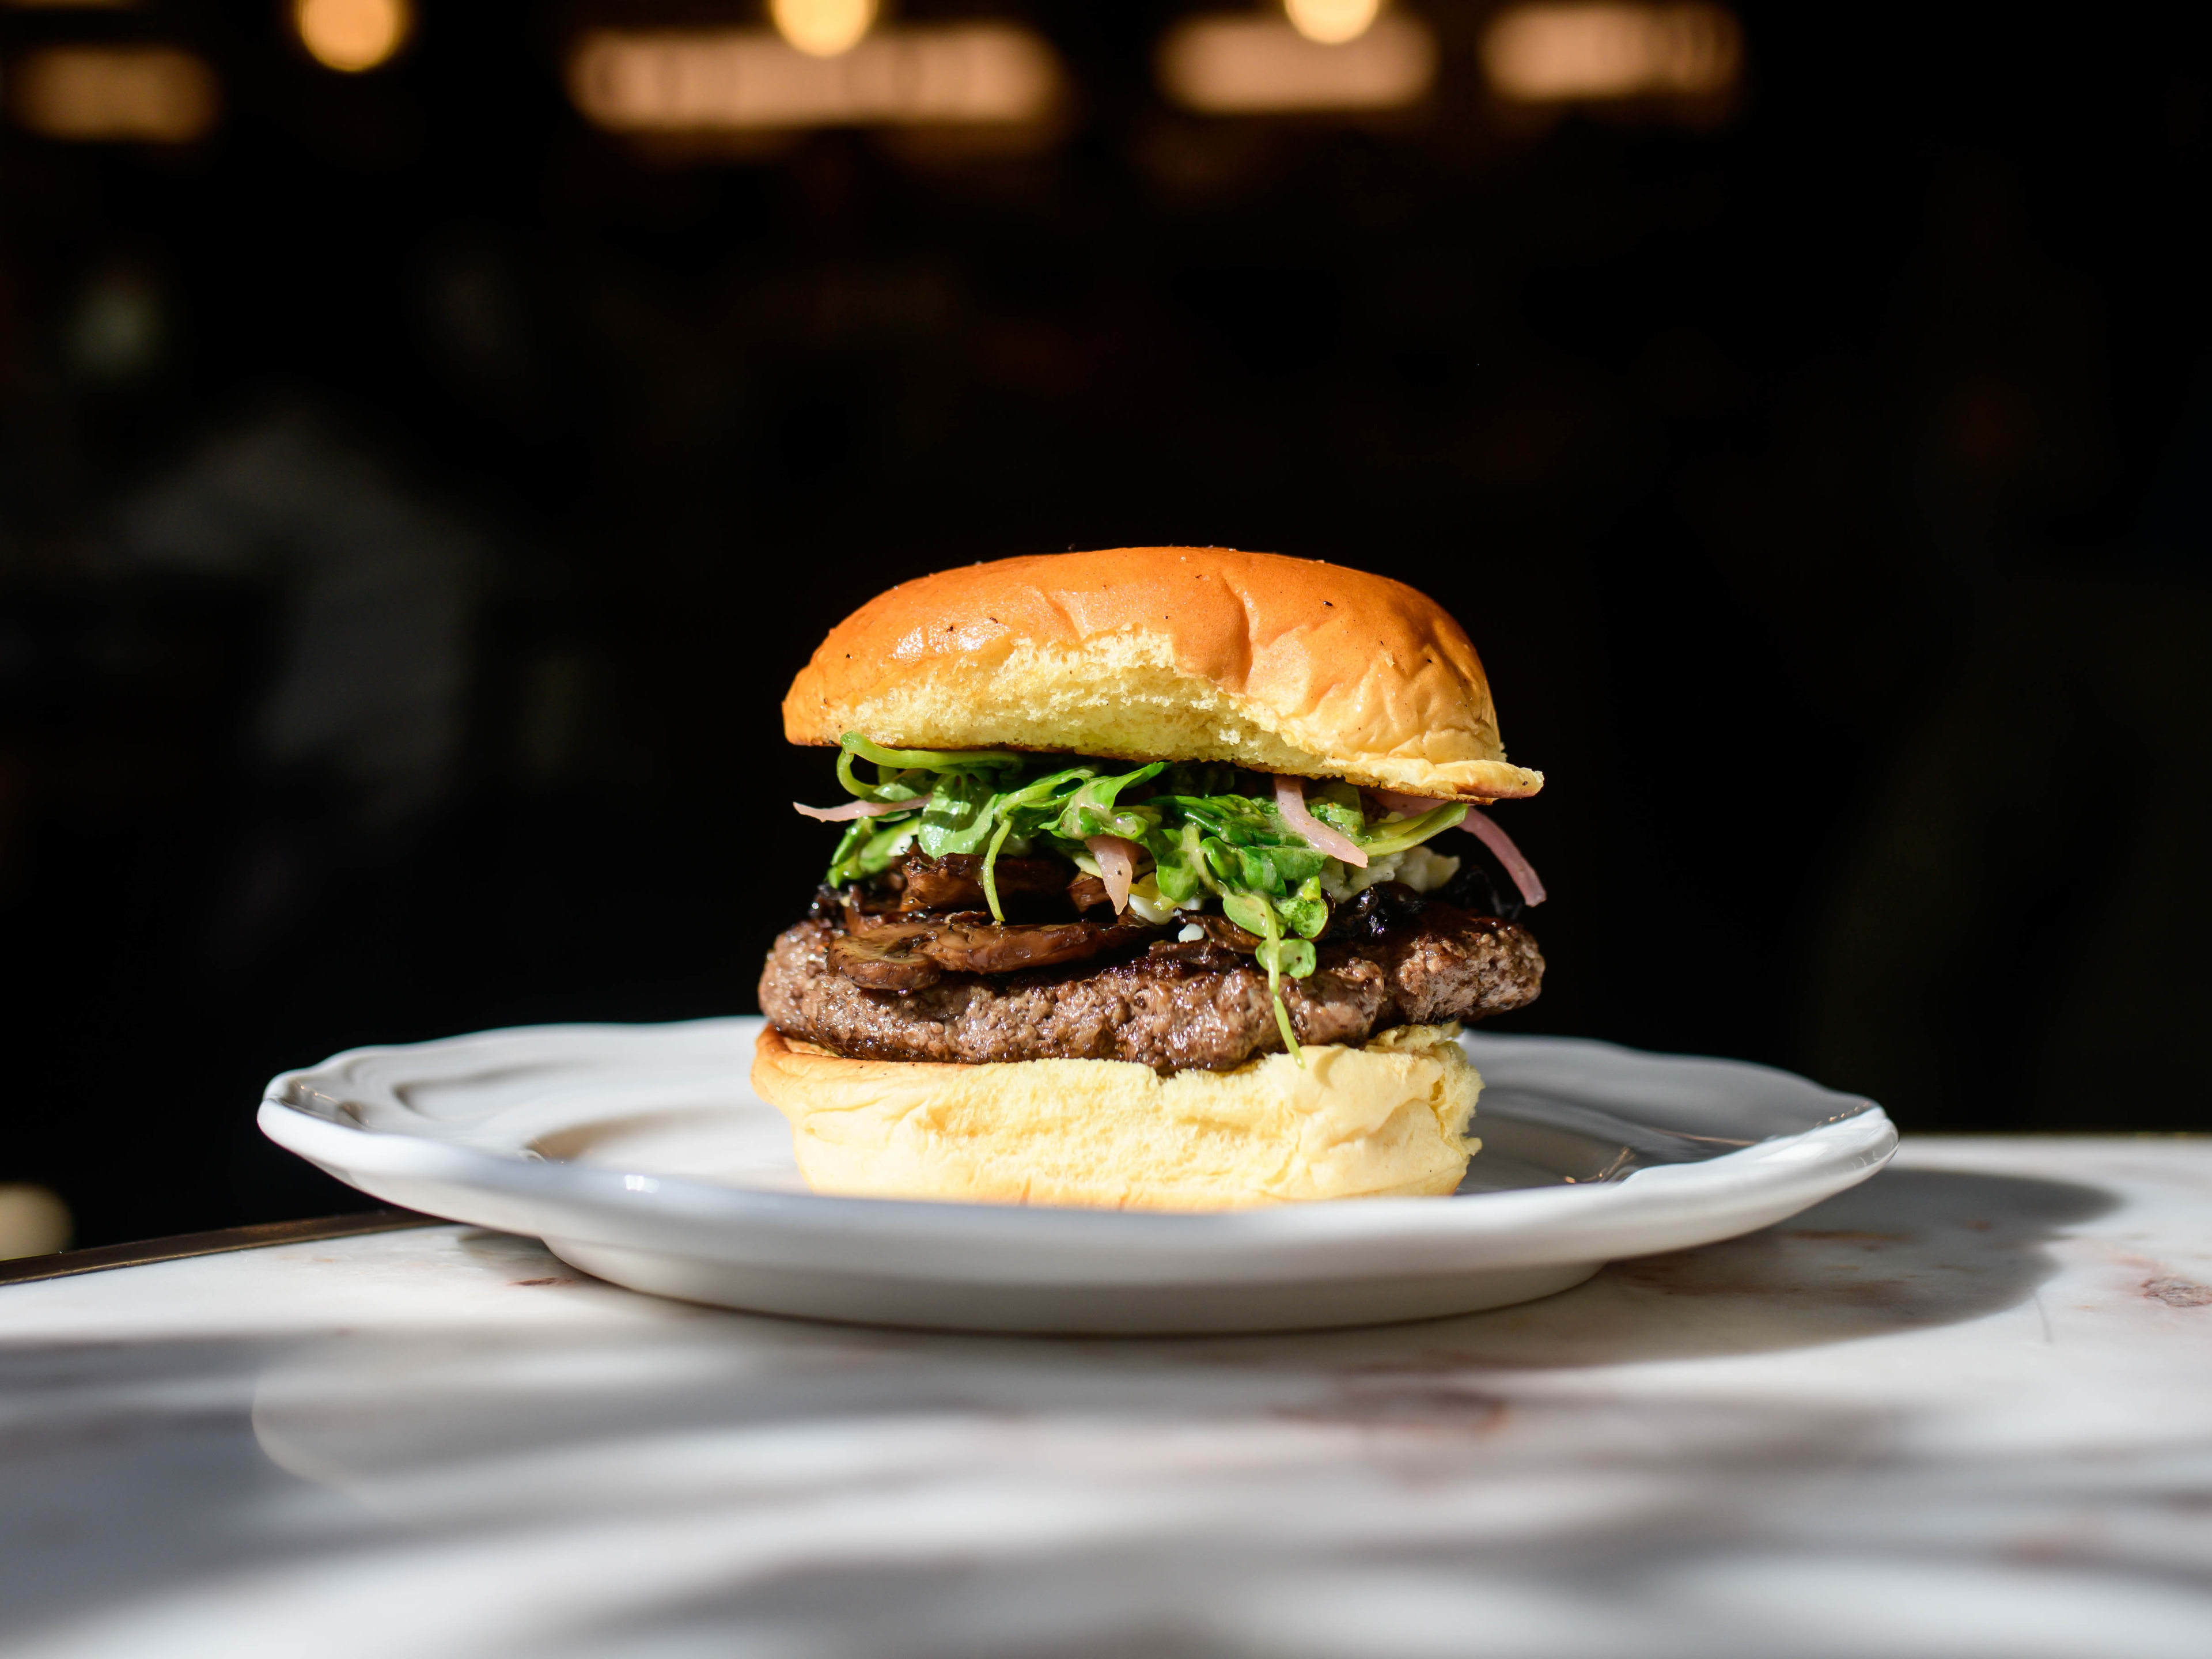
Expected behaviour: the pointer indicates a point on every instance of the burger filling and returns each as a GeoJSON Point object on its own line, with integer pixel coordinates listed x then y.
{"type": "Point", "coordinates": [990, 905]}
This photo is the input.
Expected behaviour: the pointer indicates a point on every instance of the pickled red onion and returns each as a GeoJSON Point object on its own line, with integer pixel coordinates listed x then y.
{"type": "Point", "coordinates": [1480, 825]}
{"type": "Point", "coordinates": [1117, 867]}
{"type": "Point", "coordinates": [858, 809]}
{"type": "Point", "coordinates": [1291, 802]}
{"type": "Point", "coordinates": [1484, 828]}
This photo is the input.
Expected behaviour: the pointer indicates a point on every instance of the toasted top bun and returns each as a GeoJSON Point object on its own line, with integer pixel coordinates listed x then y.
{"type": "Point", "coordinates": [1387, 1119]}
{"type": "Point", "coordinates": [1192, 654]}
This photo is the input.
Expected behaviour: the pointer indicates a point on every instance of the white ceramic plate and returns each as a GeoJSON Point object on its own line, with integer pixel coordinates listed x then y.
{"type": "Point", "coordinates": [639, 1154]}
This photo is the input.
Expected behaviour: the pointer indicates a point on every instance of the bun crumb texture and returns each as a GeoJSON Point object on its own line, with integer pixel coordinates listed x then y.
{"type": "Point", "coordinates": [1280, 665]}
{"type": "Point", "coordinates": [1387, 1119]}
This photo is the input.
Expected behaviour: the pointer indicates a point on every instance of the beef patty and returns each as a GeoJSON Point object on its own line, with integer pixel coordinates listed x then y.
{"type": "Point", "coordinates": [1176, 1006]}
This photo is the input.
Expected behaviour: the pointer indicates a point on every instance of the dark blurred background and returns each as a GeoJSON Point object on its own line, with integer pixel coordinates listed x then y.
{"type": "Point", "coordinates": [435, 434]}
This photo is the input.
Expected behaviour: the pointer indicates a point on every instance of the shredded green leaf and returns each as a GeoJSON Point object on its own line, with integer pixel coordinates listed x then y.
{"type": "Point", "coordinates": [1270, 956]}
{"type": "Point", "coordinates": [991, 870]}
{"type": "Point", "coordinates": [1210, 835]}
{"type": "Point", "coordinates": [932, 760]}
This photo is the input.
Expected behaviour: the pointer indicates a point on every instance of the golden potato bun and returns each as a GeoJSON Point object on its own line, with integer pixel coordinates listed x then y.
{"type": "Point", "coordinates": [1387, 1119]}
{"type": "Point", "coordinates": [1193, 654]}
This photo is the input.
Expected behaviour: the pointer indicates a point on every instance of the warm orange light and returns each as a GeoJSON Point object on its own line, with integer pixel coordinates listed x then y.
{"type": "Point", "coordinates": [1332, 22]}
{"type": "Point", "coordinates": [1239, 65]}
{"type": "Point", "coordinates": [352, 35]}
{"type": "Point", "coordinates": [823, 28]}
{"type": "Point", "coordinates": [729, 80]}
{"type": "Point", "coordinates": [1563, 53]}
{"type": "Point", "coordinates": [149, 94]}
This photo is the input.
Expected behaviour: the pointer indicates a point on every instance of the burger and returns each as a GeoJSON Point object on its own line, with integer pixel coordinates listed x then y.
{"type": "Point", "coordinates": [1146, 891]}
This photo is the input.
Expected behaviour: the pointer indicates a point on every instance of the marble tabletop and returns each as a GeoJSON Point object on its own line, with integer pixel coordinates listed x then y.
{"type": "Point", "coordinates": [1963, 1410]}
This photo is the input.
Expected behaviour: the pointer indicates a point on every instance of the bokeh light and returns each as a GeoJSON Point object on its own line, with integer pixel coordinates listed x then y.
{"type": "Point", "coordinates": [1226, 64]}
{"type": "Point", "coordinates": [1332, 22]}
{"type": "Point", "coordinates": [823, 28]}
{"type": "Point", "coordinates": [148, 94]}
{"type": "Point", "coordinates": [1563, 53]}
{"type": "Point", "coordinates": [115, 331]}
{"type": "Point", "coordinates": [32, 1222]}
{"type": "Point", "coordinates": [675, 80]}
{"type": "Point", "coordinates": [352, 35]}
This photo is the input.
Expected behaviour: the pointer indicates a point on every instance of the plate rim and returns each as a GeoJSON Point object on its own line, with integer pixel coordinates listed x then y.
{"type": "Point", "coordinates": [1828, 1156]}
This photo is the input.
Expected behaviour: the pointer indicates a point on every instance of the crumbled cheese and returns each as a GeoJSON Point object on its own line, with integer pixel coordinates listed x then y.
{"type": "Point", "coordinates": [1146, 900]}
{"type": "Point", "coordinates": [1418, 867]}
{"type": "Point", "coordinates": [1424, 870]}
{"type": "Point", "coordinates": [1192, 933]}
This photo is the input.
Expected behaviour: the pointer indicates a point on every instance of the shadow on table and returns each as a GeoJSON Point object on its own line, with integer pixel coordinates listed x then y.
{"type": "Point", "coordinates": [1909, 1249]}
{"type": "Point", "coordinates": [411, 1423]}
{"type": "Point", "coordinates": [675, 1478]}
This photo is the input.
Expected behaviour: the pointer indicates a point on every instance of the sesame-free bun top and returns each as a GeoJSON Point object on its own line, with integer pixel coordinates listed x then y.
{"type": "Point", "coordinates": [1193, 653]}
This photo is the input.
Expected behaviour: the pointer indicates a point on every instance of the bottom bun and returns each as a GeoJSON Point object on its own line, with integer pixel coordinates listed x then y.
{"type": "Point", "coordinates": [1387, 1119]}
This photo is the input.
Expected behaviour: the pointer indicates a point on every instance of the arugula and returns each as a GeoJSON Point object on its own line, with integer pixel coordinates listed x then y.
{"type": "Point", "coordinates": [1210, 833]}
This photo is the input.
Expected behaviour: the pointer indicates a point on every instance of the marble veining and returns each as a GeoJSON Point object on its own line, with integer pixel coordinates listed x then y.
{"type": "Point", "coordinates": [1963, 1410]}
